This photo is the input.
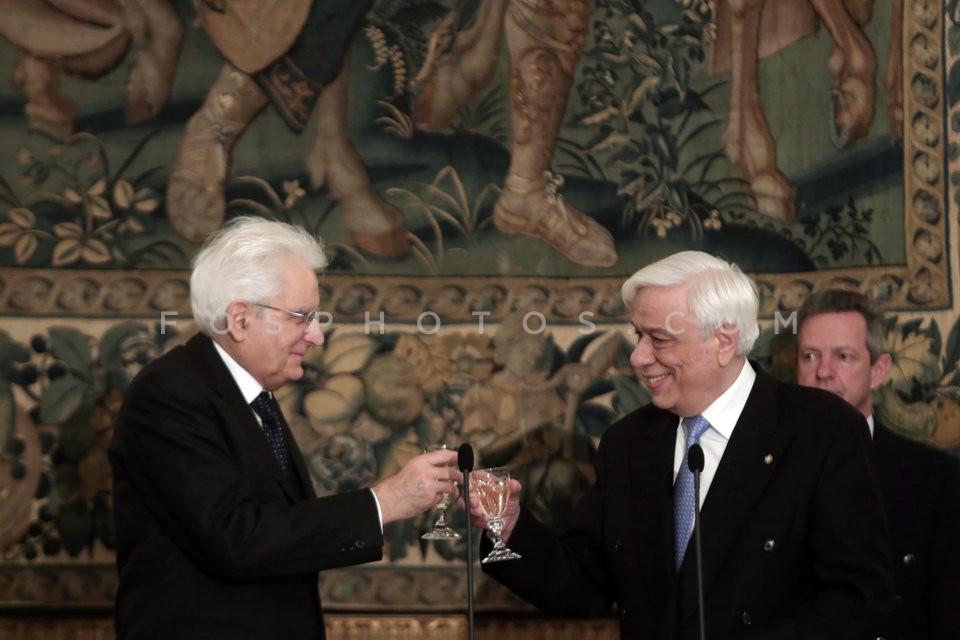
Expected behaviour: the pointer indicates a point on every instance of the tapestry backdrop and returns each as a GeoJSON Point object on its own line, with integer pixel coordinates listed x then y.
{"type": "Point", "coordinates": [484, 175]}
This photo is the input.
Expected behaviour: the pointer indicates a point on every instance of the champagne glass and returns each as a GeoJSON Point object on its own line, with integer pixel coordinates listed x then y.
{"type": "Point", "coordinates": [440, 529]}
{"type": "Point", "coordinates": [492, 488]}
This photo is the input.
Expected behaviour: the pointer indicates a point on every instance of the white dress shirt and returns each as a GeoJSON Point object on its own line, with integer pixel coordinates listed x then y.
{"type": "Point", "coordinates": [250, 389]}
{"type": "Point", "coordinates": [722, 415]}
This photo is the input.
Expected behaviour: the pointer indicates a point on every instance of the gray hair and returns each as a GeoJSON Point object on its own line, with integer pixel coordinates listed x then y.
{"type": "Point", "coordinates": [246, 259]}
{"type": "Point", "coordinates": [721, 294]}
{"type": "Point", "coordinates": [843, 301]}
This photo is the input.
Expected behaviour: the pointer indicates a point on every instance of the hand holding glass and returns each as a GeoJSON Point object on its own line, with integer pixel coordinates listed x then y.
{"type": "Point", "coordinates": [492, 488]}
{"type": "Point", "coordinates": [441, 530]}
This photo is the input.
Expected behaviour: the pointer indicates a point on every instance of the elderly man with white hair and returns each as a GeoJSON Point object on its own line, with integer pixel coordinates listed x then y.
{"type": "Point", "coordinates": [219, 531]}
{"type": "Point", "coordinates": [793, 538]}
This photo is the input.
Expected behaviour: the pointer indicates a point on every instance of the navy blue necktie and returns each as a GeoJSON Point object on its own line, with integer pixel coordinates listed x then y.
{"type": "Point", "coordinates": [269, 412]}
{"type": "Point", "coordinates": [684, 503]}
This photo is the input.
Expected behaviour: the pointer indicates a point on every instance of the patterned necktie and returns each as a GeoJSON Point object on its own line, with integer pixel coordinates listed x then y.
{"type": "Point", "coordinates": [269, 412]}
{"type": "Point", "coordinates": [684, 503]}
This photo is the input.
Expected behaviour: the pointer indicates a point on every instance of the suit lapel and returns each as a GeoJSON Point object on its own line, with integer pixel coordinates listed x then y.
{"type": "Point", "coordinates": [884, 446]}
{"type": "Point", "coordinates": [651, 469]}
{"type": "Point", "coordinates": [749, 462]}
{"type": "Point", "coordinates": [239, 416]}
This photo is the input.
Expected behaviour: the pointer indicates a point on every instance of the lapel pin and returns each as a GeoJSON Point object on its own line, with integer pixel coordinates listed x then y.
{"type": "Point", "coordinates": [767, 459]}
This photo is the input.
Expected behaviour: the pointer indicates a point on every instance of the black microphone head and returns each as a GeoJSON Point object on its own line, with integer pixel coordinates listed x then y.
{"type": "Point", "coordinates": [695, 458]}
{"type": "Point", "coordinates": [465, 457]}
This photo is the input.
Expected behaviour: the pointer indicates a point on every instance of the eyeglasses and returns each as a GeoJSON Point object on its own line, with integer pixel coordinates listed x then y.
{"type": "Point", "coordinates": [302, 319]}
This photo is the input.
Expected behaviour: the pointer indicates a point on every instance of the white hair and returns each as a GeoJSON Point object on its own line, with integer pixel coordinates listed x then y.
{"type": "Point", "coordinates": [720, 293]}
{"type": "Point", "coordinates": [246, 259]}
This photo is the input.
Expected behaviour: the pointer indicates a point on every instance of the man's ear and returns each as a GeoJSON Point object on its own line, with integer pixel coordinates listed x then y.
{"type": "Point", "coordinates": [728, 336]}
{"type": "Point", "coordinates": [879, 370]}
{"type": "Point", "coordinates": [237, 314]}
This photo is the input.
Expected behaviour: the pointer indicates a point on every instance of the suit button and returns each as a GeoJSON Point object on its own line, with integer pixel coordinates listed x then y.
{"type": "Point", "coordinates": [618, 546]}
{"type": "Point", "coordinates": [359, 543]}
{"type": "Point", "coordinates": [881, 638]}
{"type": "Point", "coordinates": [769, 544]}
{"type": "Point", "coordinates": [623, 613]}
{"type": "Point", "coordinates": [746, 618]}
{"type": "Point", "coordinates": [909, 560]}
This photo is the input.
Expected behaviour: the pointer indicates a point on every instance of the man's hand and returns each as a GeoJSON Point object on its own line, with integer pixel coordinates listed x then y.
{"type": "Point", "coordinates": [510, 515]}
{"type": "Point", "coordinates": [419, 486]}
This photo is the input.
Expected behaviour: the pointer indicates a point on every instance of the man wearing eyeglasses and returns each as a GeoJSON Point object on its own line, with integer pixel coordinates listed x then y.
{"type": "Point", "coordinates": [219, 531]}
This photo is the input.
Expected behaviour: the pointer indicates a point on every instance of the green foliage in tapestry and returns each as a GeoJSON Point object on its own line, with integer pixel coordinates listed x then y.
{"type": "Point", "coordinates": [59, 454]}
{"type": "Point", "coordinates": [645, 117]}
{"type": "Point", "coordinates": [76, 210]}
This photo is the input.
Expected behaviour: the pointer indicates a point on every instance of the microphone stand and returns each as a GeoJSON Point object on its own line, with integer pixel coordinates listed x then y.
{"type": "Point", "coordinates": [465, 463]}
{"type": "Point", "coordinates": [695, 462]}
{"type": "Point", "coordinates": [466, 497]}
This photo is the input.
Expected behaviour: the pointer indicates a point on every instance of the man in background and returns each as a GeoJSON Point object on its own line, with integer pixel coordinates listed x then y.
{"type": "Point", "coordinates": [219, 531]}
{"type": "Point", "coordinates": [840, 348]}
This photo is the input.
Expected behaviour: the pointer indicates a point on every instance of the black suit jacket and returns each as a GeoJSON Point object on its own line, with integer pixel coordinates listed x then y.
{"type": "Point", "coordinates": [793, 536]}
{"type": "Point", "coordinates": [921, 494]}
{"type": "Point", "coordinates": [211, 542]}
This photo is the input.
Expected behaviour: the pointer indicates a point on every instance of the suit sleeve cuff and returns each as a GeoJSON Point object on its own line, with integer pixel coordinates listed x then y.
{"type": "Point", "coordinates": [376, 501]}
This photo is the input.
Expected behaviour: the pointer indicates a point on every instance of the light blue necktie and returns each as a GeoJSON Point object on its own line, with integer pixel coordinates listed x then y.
{"type": "Point", "coordinates": [684, 503]}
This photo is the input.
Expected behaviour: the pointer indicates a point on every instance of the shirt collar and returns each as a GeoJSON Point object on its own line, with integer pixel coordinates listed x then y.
{"type": "Point", "coordinates": [870, 424]}
{"type": "Point", "coordinates": [249, 386]}
{"type": "Point", "coordinates": [723, 413]}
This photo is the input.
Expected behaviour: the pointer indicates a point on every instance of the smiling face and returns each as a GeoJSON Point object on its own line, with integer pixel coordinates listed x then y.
{"type": "Point", "coordinates": [684, 372]}
{"type": "Point", "coordinates": [832, 354]}
{"type": "Point", "coordinates": [271, 344]}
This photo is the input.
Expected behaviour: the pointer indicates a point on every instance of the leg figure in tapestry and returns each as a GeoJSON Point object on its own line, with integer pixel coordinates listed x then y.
{"type": "Point", "coordinates": [88, 39]}
{"type": "Point", "coordinates": [749, 30]}
{"type": "Point", "coordinates": [309, 76]}
{"type": "Point", "coordinates": [545, 39]}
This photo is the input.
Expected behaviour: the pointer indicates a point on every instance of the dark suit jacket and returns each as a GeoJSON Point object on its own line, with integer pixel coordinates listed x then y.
{"type": "Point", "coordinates": [921, 494]}
{"type": "Point", "coordinates": [211, 542]}
{"type": "Point", "coordinates": [793, 536]}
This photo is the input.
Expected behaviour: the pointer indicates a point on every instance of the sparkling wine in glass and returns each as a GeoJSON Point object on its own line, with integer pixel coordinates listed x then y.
{"type": "Point", "coordinates": [492, 488]}
{"type": "Point", "coordinates": [440, 529]}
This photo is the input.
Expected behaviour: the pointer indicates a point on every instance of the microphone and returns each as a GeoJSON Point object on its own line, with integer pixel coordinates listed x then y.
{"type": "Point", "coordinates": [465, 464]}
{"type": "Point", "coordinates": [695, 461]}
{"type": "Point", "coordinates": [465, 457]}
{"type": "Point", "coordinates": [695, 464]}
